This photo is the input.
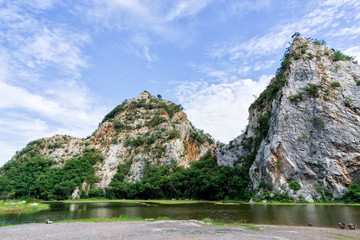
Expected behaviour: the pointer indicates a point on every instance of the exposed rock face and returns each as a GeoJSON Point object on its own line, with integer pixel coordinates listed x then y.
{"type": "Point", "coordinates": [313, 134]}
{"type": "Point", "coordinates": [142, 129]}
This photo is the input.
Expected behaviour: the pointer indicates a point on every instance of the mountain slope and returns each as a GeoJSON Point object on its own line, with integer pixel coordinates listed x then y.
{"type": "Point", "coordinates": [304, 129]}
{"type": "Point", "coordinates": [142, 130]}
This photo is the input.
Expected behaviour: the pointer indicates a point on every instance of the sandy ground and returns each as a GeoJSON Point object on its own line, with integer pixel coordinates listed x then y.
{"type": "Point", "coordinates": [167, 230]}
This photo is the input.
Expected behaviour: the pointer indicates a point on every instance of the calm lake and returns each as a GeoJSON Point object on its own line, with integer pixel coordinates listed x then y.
{"type": "Point", "coordinates": [316, 215]}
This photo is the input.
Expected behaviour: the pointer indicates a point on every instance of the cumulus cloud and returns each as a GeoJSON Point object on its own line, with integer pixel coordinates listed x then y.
{"type": "Point", "coordinates": [40, 66]}
{"type": "Point", "coordinates": [353, 51]}
{"type": "Point", "coordinates": [220, 108]}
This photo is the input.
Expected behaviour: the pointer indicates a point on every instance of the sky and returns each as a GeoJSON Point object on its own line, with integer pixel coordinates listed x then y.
{"type": "Point", "coordinates": [64, 64]}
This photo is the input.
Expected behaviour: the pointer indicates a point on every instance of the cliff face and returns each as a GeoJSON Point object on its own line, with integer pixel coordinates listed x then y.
{"type": "Point", "coordinates": [142, 129]}
{"type": "Point", "coordinates": [309, 127]}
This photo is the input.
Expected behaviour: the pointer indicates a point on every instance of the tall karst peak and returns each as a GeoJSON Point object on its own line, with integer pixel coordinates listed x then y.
{"type": "Point", "coordinates": [305, 127]}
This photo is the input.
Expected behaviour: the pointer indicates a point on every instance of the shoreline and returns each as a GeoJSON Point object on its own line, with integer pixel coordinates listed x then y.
{"type": "Point", "coordinates": [168, 229]}
{"type": "Point", "coordinates": [163, 201]}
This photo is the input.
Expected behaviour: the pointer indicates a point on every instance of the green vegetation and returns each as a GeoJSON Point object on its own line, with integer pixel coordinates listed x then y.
{"type": "Point", "coordinates": [295, 98]}
{"type": "Point", "coordinates": [353, 194]}
{"type": "Point", "coordinates": [19, 206]}
{"type": "Point", "coordinates": [317, 122]}
{"type": "Point", "coordinates": [322, 195]}
{"type": "Point", "coordinates": [203, 180]}
{"type": "Point", "coordinates": [296, 56]}
{"type": "Point", "coordinates": [295, 186]}
{"type": "Point", "coordinates": [38, 177]}
{"type": "Point", "coordinates": [311, 89]}
{"type": "Point", "coordinates": [335, 84]}
{"type": "Point", "coordinates": [339, 56]}
{"type": "Point", "coordinates": [115, 111]}
{"type": "Point", "coordinates": [358, 83]}
{"type": "Point", "coordinates": [232, 224]}
{"type": "Point", "coordinates": [270, 93]}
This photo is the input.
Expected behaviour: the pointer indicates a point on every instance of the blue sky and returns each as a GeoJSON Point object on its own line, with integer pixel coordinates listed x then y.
{"type": "Point", "coordinates": [65, 64]}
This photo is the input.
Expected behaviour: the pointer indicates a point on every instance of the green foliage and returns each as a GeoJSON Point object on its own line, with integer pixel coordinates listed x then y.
{"type": "Point", "coordinates": [335, 84]}
{"type": "Point", "coordinates": [38, 177]}
{"type": "Point", "coordinates": [296, 56]}
{"type": "Point", "coordinates": [265, 185]}
{"type": "Point", "coordinates": [156, 120]}
{"type": "Point", "coordinates": [269, 94]}
{"type": "Point", "coordinates": [358, 83]}
{"type": "Point", "coordinates": [295, 98]}
{"type": "Point", "coordinates": [113, 112]}
{"type": "Point", "coordinates": [339, 56]}
{"type": "Point", "coordinates": [296, 35]}
{"type": "Point", "coordinates": [311, 89]}
{"type": "Point", "coordinates": [310, 55]}
{"type": "Point", "coordinates": [317, 122]}
{"type": "Point", "coordinates": [203, 180]}
{"type": "Point", "coordinates": [263, 124]}
{"type": "Point", "coordinates": [295, 186]}
{"type": "Point", "coordinates": [353, 194]}
{"type": "Point", "coordinates": [322, 196]}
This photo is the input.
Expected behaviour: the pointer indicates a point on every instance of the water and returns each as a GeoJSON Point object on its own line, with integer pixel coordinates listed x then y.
{"type": "Point", "coordinates": [303, 215]}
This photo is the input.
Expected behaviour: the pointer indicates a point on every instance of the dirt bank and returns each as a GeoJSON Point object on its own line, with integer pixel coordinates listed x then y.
{"type": "Point", "coordinates": [167, 230]}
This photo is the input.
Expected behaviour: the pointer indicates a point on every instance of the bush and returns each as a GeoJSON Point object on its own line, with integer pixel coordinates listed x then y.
{"type": "Point", "coordinates": [295, 186]}
{"type": "Point", "coordinates": [358, 83]}
{"type": "Point", "coordinates": [335, 84]}
{"type": "Point", "coordinates": [353, 194]}
{"type": "Point", "coordinates": [311, 89]}
{"type": "Point", "coordinates": [339, 56]}
{"type": "Point", "coordinates": [295, 98]}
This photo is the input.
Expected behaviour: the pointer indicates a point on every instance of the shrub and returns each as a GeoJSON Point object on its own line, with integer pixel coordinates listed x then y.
{"type": "Point", "coordinates": [155, 121]}
{"type": "Point", "coordinates": [319, 42]}
{"type": "Point", "coordinates": [358, 83]}
{"type": "Point", "coordinates": [295, 98]}
{"type": "Point", "coordinates": [311, 89]}
{"type": "Point", "coordinates": [310, 55]}
{"type": "Point", "coordinates": [335, 84]}
{"type": "Point", "coordinates": [317, 122]}
{"type": "Point", "coordinates": [339, 56]}
{"type": "Point", "coordinates": [113, 112]}
{"type": "Point", "coordinates": [353, 194]}
{"type": "Point", "coordinates": [296, 56]}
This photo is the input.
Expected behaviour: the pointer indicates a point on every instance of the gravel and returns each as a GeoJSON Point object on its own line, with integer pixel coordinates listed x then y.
{"type": "Point", "coordinates": [167, 230]}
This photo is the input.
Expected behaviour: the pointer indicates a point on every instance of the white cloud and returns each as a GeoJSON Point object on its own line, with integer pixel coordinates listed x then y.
{"type": "Point", "coordinates": [353, 51]}
{"type": "Point", "coordinates": [40, 64]}
{"type": "Point", "coordinates": [323, 16]}
{"type": "Point", "coordinates": [186, 8]}
{"type": "Point", "coordinates": [220, 109]}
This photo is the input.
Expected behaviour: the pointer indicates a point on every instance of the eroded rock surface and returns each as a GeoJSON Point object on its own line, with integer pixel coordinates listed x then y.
{"type": "Point", "coordinates": [314, 129]}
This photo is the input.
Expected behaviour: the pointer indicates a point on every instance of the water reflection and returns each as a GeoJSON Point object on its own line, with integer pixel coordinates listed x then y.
{"type": "Point", "coordinates": [315, 215]}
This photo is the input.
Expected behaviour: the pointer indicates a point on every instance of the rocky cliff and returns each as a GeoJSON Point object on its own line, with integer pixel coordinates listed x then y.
{"type": "Point", "coordinates": [141, 129]}
{"type": "Point", "coordinates": [305, 127]}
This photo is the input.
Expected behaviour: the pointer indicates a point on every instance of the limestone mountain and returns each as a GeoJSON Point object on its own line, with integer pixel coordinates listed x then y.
{"type": "Point", "coordinates": [304, 129]}
{"type": "Point", "coordinates": [141, 130]}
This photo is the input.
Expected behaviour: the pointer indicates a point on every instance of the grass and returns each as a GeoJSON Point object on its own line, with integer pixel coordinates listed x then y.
{"type": "Point", "coordinates": [342, 236]}
{"type": "Point", "coordinates": [126, 218]}
{"type": "Point", "coordinates": [17, 206]}
{"type": "Point", "coordinates": [231, 202]}
{"type": "Point", "coordinates": [117, 219]}
{"type": "Point", "coordinates": [135, 201]}
{"type": "Point", "coordinates": [233, 224]}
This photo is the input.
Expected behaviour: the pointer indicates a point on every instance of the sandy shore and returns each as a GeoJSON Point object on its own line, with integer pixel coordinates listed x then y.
{"type": "Point", "coordinates": [167, 230]}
